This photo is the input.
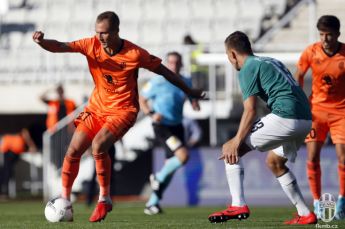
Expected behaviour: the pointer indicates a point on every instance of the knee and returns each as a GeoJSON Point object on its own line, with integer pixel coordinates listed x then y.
{"type": "Point", "coordinates": [276, 166]}
{"type": "Point", "coordinates": [73, 152]}
{"type": "Point", "coordinates": [98, 148]}
{"type": "Point", "coordinates": [184, 159]}
{"type": "Point", "coordinates": [182, 155]}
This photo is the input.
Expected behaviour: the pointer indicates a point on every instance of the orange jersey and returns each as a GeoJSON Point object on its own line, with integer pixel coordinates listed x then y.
{"type": "Point", "coordinates": [53, 111]}
{"type": "Point", "coordinates": [328, 77]}
{"type": "Point", "coordinates": [115, 77]}
{"type": "Point", "coordinates": [14, 143]}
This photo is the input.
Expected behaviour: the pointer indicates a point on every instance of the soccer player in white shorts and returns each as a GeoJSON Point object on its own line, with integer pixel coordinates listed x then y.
{"type": "Point", "coordinates": [280, 135]}
{"type": "Point", "coordinates": [281, 132]}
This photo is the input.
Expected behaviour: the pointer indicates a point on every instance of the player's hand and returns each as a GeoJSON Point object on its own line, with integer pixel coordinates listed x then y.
{"type": "Point", "coordinates": [230, 151]}
{"type": "Point", "coordinates": [38, 36]}
{"type": "Point", "coordinates": [195, 104]}
{"type": "Point", "coordinates": [156, 117]}
{"type": "Point", "coordinates": [197, 94]}
{"type": "Point", "coordinates": [33, 149]}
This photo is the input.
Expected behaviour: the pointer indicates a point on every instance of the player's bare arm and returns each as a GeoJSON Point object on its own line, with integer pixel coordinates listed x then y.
{"type": "Point", "coordinates": [145, 107]}
{"type": "Point", "coordinates": [299, 76]}
{"type": "Point", "coordinates": [29, 141]}
{"type": "Point", "coordinates": [231, 149]}
{"type": "Point", "coordinates": [172, 78]}
{"type": "Point", "coordinates": [50, 45]}
{"type": "Point", "coordinates": [44, 97]}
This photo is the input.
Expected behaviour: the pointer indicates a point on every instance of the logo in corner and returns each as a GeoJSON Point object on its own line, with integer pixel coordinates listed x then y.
{"type": "Point", "coordinates": [327, 207]}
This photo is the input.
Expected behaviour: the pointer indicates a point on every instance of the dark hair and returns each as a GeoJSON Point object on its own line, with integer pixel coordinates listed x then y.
{"type": "Point", "coordinates": [174, 53]}
{"type": "Point", "coordinates": [112, 17]}
{"type": "Point", "coordinates": [188, 40]}
{"type": "Point", "coordinates": [240, 42]}
{"type": "Point", "coordinates": [328, 22]}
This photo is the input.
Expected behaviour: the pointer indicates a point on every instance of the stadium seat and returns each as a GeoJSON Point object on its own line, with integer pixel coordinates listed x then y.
{"type": "Point", "coordinates": [76, 61]}
{"type": "Point", "coordinates": [201, 30]}
{"type": "Point", "coordinates": [5, 63]}
{"type": "Point", "coordinates": [78, 30]}
{"type": "Point", "coordinates": [55, 30]}
{"type": "Point", "coordinates": [202, 9]}
{"type": "Point", "coordinates": [130, 30]}
{"type": "Point", "coordinates": [179, 9]}
{"type": "Point", "coordinates": [27, 43]}
{"type": "Point", "coordinates": [251, 17]}
{"type": "Point", "coordinates": [15, 39]}
{"type": "Point", "coordinates": [82, 11]}
{"type": "Point", "coordinates": [26, 61]}
{"type": "Point", "coordinates": [226, 9]}
{"type": "Point", "coordinates": [105, 5]}
{"type": "Point", "coordinates": [152, 33]}
{"type": "Point", "coordinates": [130, 10]}
{"type": "Point", "coordinates": [14, 16]}
{"type": "Point", "coordinates": [175, 31]}
{"type": "Point", "coordinates": [274, 7]}
{"type": "Point", "coordinates": [37, 15]}
{"type": "Point", "coordinates": [58, 15]}
{"type": "Point", "coordinates": [154, 9]}
{"type": "Point", "coordinates": [222, 27]}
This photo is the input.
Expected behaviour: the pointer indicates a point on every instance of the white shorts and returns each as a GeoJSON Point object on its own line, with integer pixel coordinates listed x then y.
{"type": "Point", "coordinates": [281, 135]}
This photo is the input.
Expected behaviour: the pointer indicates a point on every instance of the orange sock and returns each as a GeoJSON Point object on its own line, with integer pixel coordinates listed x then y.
{"type": "Point", "coordinates": [69, 172]}
{"type": "Point", "coordinates": [314, 178]}
{"type": "Point", "coordinates": [103, 170]}
{"type": "Point", "coordinates": [341, 173]}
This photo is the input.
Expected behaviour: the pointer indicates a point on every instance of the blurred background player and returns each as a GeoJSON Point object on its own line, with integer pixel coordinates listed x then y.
{"type": "Point", "coordinates": [281, 132]}
{"type": "Point", "coordinates": [193, 168]}
{"type": "Point", "coordinates": [113, 106]}
{"type": "Point", "coordinates": [166, 112]}
{"type": "Point", "coordinates": [58, 107]}
{"type": "Point", "coordinates": [12, 146]}
{"type": "Point", "coordinates": [199, 73]}
{"type": "Point", "coordinates": [327, 62]}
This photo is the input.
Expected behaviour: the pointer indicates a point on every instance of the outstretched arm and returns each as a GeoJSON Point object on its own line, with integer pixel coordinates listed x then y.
{"type": "Point", "coordinates": [50, 45]}
{"type": "Point", "coordinates": [177, 81]}
{"type": "Point", "coordinates": [44, 97]}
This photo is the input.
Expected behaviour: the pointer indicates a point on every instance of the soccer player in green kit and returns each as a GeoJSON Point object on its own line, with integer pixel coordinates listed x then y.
{"type": "Point", "coordinates": [281, 132]}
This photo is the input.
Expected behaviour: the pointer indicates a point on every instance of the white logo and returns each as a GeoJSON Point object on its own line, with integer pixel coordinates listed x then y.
{"type": "Point", "coordinates": [327, 207]}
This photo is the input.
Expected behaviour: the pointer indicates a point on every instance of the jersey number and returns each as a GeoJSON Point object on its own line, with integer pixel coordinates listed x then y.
{"type": "Point", "coordinates": [282, 69]}
{"type": "Point", "coordinates": [257, 125]}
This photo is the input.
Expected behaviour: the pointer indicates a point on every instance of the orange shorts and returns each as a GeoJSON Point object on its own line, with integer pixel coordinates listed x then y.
{"type": "Point", "coordinates": [324, 122]}
{"type": "Point", "coordinates": [118, 123]}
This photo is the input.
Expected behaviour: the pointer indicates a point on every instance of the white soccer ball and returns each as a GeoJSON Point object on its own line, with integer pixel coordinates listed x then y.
{"type": "Point", "coordinates": [59, 210]}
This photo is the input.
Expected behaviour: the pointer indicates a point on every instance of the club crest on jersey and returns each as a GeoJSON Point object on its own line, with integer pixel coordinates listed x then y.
{"type": "Point", "coordinates": [109, 79]}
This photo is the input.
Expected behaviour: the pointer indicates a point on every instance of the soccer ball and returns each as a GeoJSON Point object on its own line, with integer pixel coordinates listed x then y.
{"type": "Point", "coordinates": [59, 210]}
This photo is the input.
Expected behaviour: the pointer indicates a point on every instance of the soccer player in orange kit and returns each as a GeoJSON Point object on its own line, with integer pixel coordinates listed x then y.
{"type": "Point", "coordinates": [113, 106]}
{"type": "Point", "coordinates": [327, 62]}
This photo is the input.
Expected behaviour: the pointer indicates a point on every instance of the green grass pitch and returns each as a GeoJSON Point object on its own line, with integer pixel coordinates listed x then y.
{"type": "Point", "coordinates": [30, 214]}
